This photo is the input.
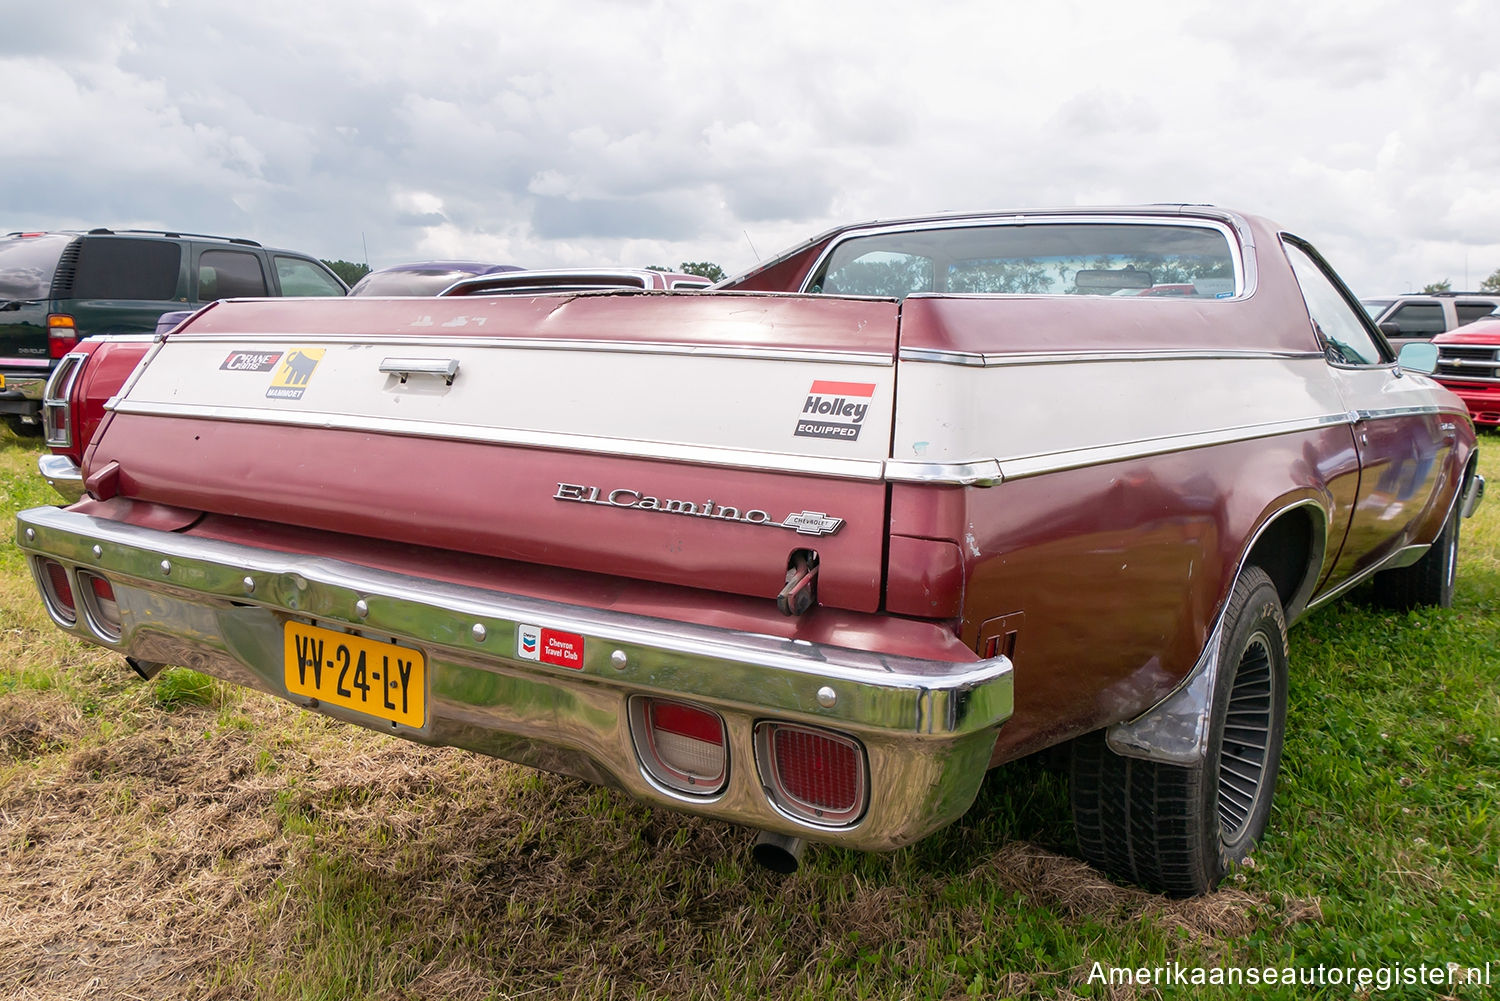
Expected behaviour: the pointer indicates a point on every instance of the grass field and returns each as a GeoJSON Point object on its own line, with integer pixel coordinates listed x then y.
{"type": "Point", "coordinates": [187, 839]}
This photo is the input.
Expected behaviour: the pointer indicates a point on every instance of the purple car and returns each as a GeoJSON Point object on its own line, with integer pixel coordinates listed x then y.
{"type": "Point", "coordinates": [423, 278]}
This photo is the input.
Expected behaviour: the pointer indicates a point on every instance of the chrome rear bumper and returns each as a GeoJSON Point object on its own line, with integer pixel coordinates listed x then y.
{"type": "Point", "coordinates": [62, 474]}
{"type": "Point", "coordinates": [927, 727]}
{"type": "Point", "coordinates": [1472, 495]}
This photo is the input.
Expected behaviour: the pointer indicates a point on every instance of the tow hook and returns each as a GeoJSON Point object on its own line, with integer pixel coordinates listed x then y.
{"type": "Point", "coordinates": [801, 591]}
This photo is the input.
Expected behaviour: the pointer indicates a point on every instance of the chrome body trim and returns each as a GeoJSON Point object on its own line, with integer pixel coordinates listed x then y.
{"type": "Point", "coordinates": [1388, 412]}
{"type": "Point", "coordinates": [1403, 557]}
{"type": "Point", "coordinates": [138, 371]}
{"type": "Point", "coordinates": [976, 359]}
{"type": "Point", "coordinates": [979, 471]}
{"type": "Point", "coordinates": [927, 726]}
{"type": "Point", "coordinates": [1236, 232]}
{"type": "Point", "coordinates": [1035, 465]}
{"type": "Point", "coordinates": [545, 344]}
{"type": "Point", "coordinates": [136, 338]}
{"type": "Point", "coordinates": [703, 455]}
{"type": "Point", "coordinates": [57, 410]}
{"type": "Point", "coordinates": [63, 475]}
{"type": "Point", "coordinates": [975, 473]}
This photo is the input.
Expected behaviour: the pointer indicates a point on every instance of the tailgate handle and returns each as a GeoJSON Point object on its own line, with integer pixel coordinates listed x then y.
{"type": "Point", "coordinates": [446, 368]}
{"type": "Point", "coordinates": [801, 591]}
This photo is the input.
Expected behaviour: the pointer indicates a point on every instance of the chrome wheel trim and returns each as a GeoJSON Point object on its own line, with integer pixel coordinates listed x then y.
{"type": "Point", "coordinates": [1245, 745]}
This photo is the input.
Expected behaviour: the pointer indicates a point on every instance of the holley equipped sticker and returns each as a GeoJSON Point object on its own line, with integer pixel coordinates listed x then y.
{"type": "Point", "coordinates": [835, 410]}
{"type": "Point", "coordinates": [549, 646]}
{"type": "Point", "coordinates": [290, 380]}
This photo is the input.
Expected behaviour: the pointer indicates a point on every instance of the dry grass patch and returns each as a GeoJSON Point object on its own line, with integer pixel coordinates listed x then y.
{"type": "Point", "coordinates": [255, 850]}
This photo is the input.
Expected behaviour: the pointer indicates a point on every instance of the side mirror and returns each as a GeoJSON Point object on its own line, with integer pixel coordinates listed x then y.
{"type": "Point", "coordinates": [1390, 328]}
{"type": "Point", "coordinates": [1418, 358]}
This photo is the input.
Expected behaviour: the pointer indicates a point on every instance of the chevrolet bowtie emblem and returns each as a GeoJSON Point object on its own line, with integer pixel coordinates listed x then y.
{"type": "Point", "coordinates": [812, 523]}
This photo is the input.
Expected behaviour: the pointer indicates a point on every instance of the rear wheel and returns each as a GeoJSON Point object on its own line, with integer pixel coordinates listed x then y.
{"type": "Point", "coordinates": [1430, 580]}
{"type": "Point", "coordinates": [1179, 829]}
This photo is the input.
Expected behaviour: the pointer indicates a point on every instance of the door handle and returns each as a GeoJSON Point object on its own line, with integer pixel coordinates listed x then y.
{"type": "Point", "coordinates": [405, 368]}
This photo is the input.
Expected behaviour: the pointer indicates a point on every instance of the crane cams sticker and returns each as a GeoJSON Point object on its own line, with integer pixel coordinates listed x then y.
{"type": "Point", "coordinates": [835, 410]}
{"type": "Point", "coordinates": [290, 380]}
{"type": "Point", "coordinates": [250, 361]}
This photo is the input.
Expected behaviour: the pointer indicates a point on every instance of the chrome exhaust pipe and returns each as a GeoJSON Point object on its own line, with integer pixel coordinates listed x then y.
{"type": "Point", "coordinates": [778, 852]}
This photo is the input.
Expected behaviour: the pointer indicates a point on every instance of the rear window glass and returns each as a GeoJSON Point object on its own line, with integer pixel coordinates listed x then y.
{"type": "Point", "coordinates": [1126, 259]}
{"type": "Point", "coordinates": [27, 264]}
{"type": "Point", "coordinates": [226, 274]}
{"type": "Point", "coordinates": [123, 268]}
{"type": "Point", "coordinates": [1468, 312]}
{"type": "Point", "coordinates": [408, 282]}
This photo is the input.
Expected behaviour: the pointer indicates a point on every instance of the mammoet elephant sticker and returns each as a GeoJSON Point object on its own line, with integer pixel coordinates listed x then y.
{"type": "Point", "coordinates": [290, 380]}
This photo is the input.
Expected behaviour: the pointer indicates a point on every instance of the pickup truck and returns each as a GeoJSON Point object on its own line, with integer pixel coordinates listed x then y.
{"type": "Point", "coordinates": [1469, 364]}
{"type": "Point", "coordinates": [810, 551]}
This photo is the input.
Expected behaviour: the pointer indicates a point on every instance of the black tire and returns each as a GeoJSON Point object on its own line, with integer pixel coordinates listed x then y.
{"type": "Point", "coordinates": [1427, 582]}
{"type": "Point", "coordinates": [21, 429]}
{"type": "Point", "coordinates": [1180, 829]}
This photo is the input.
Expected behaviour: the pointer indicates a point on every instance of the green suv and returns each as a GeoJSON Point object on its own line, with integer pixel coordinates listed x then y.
{"type": "Point", "coordinates": [58, 288]}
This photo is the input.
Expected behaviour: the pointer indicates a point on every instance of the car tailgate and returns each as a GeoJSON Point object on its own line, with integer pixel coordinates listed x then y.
{"type": "Point", "coordinates": [690, 439]}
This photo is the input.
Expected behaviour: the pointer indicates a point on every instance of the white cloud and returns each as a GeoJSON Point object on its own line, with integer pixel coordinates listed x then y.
{"type": "Point", "coordinates": [653, 132]}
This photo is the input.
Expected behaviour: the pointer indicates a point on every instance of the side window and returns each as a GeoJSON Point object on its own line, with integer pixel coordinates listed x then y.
{"type": "Point", "coordinates": [122, 268]}
{"type": "Point", "coordinates": [1344, 337]}
{"type": "Point", "coordinates": [227, 274]}
{"type": "Point", "coordinates": [302, 277]}
{"type": "Point", "coordinates": [1468, 312]}
{"type": "Point", "coordinates": [1419, 319]}
{"type": "Point", "coordinates": [880, 272]}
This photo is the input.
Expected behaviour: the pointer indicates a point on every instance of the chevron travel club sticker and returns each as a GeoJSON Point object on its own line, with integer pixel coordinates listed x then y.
{"type": "Point", "coordinates": [549, 646]}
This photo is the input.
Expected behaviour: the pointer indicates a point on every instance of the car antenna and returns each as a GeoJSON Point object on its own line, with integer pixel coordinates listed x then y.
{"type": "Point", "coordinates": [752, 245]}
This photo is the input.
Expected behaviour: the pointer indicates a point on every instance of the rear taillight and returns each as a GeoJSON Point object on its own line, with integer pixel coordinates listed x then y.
{"type": "Point", "coordinates": [62, 334]}
{"type": "Point", "coordinates": [681, 745]}
{"type": "Point", "coordinates": [57, 590]}
{"type": "Point", "coordinates": [57, 412]}
{"type": "Point", "coordinates": [99, 600]}
{"type": "Point", "coordinates": [813, 774]}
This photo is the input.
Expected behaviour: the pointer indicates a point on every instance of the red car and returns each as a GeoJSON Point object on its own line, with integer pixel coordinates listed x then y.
{"type": "Point", "coordinates": [810, 552]}
{"type": "Point", "coordinates": [1469, 365]}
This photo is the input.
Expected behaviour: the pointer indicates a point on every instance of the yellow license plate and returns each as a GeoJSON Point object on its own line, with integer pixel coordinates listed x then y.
{"type": "Point", "coordinates": [379, 679]}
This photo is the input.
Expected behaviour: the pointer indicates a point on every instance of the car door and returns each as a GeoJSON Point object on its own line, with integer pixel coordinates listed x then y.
{"type": "Point", "coordinates": [1400, 433]}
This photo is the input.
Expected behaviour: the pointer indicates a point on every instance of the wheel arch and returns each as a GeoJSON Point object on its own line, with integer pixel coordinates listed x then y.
{"type": "Point", "coordinates": [1291, 546]}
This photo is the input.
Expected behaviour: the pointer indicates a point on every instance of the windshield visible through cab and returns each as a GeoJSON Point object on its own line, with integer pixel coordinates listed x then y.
{"type": "Point", "coordinates": [1125, 259]}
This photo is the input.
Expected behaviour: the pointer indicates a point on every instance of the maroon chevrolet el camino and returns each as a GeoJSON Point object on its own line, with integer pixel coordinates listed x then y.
{"type": "Point", "coordinates": [809, 551]}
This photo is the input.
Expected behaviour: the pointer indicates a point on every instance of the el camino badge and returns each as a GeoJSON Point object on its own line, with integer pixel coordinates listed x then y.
{"type": "Point", "coordinates": [803, 522]}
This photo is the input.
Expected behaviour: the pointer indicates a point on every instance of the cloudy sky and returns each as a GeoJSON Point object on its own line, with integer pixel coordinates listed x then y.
{"type": "Point", "coordinates": [632, 133]}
